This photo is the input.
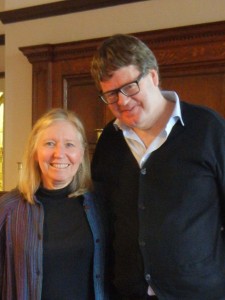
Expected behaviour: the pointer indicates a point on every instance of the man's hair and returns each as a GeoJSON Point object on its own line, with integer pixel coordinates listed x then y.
{"type": "Point", "coordinates": [30, 175]}
{"type": "Point", "coordinates": [119, 51]}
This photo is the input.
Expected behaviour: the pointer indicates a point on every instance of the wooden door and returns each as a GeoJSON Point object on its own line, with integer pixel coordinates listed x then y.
{"type": "Point", "coordinates": [81, 96]}
{"type": "Point", "coordinates": [204, 89]}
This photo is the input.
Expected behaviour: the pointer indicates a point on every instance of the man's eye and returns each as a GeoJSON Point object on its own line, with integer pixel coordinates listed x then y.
{"type": "Point", "coordinates": [110, 95]}
{"type": "Point", "coordinates": [129, 87]}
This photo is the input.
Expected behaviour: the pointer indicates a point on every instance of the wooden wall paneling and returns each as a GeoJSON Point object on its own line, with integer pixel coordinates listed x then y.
{"type": "Point", "coordinates": [42, 89]}
{"type": "Point", "coordinates": [195, 49]}
{"type": "Point", "coordinates": [66, 65]}
{"type": "Point", "coordinates": [76, 91]}
{"type": "Point", "coordinates": [191, 61]}
{"type": "Point", "coordinates": [57, 93]}
{"type": "Point", "coordinates": [82, 97]}
{"type": "Point", "coordinates": [78, 71]}
{"type": "Point", "coordinates": [41, 60]}
{"type": "Point", "coordinates": [205, 89]}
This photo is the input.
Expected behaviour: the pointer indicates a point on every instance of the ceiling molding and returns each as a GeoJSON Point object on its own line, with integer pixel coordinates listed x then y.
{"type": "Point", "coordinates": [171, 38]}
{"type": "Point", "coordinates": [57, 8]}
{"type": "Point", "coordinates": [2, 39]}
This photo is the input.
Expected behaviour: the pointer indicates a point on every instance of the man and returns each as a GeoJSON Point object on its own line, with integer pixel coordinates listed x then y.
{"type": "Point", "coordinates": [161, 165]}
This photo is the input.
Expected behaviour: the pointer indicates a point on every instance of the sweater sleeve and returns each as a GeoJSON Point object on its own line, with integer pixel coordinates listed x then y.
{"type": "Point", "coordinates": [7, 203]}
{"type": "Point", "coordinates": [2, 244]}
{"type": "Point", "coordinates": [208, 128]}
{"type": "Point", "coordinates": [4, 210]}
{"type": "Point", "coordinates": [219, 151]}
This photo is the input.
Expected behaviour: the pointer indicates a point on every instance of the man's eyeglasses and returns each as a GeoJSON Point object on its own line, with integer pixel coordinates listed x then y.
{"type": "Point", "coordinates": [129, 89]}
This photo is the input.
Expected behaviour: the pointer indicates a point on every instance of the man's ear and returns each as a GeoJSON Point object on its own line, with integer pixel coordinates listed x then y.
{"type": "Point", "coordinates": [155, 77]}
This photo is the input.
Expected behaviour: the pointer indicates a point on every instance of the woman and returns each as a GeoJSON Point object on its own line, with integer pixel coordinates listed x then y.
{"type": "Point", "coordinates": [51, 242]}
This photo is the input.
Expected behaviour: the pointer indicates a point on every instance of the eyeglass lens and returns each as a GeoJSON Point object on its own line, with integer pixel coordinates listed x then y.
{"type": "Point", "coordinates": [129, 89]}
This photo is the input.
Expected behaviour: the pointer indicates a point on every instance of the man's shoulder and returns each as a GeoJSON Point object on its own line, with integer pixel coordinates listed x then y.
{"type": "Point", "coordinates": [110, 127]}
{"type": "Point", "coordinates": [111, 135]}
{"type": "Point", "coordinates": [201, 113]}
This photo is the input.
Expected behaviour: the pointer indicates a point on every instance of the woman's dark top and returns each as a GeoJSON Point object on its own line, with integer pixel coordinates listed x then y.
{"type": "Point", "coordinates": [67, 248]}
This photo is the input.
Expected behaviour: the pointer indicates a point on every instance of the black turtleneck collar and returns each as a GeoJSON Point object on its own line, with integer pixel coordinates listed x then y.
{"type": "Point", "coordinates": [53, 194]}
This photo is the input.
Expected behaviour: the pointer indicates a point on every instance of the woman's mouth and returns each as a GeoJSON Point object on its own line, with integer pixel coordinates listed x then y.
{"type": "Point", "coordinates": [59, 166]}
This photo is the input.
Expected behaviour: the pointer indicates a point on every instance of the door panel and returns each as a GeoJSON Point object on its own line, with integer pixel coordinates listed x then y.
{"type": "Point", "coordinates": [81, 96]}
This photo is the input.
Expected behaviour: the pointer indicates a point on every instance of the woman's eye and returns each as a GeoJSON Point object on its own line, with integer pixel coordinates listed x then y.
{"type": "Point", "coordinates": [70, 145]}
{"type": "Point", "coordinates": [50, 144]}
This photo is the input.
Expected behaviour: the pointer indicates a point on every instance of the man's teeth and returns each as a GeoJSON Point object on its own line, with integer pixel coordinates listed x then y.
{"type": "Point", "coordinates": [60, 166]}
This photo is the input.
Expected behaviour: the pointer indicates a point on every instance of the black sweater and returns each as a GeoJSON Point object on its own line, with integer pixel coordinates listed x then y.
{"type": "Point", "coordinates": [166, 218]}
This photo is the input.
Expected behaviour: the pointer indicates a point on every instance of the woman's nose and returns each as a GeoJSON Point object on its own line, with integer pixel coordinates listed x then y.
{"type": "Point", "coordinates": [59, 151]}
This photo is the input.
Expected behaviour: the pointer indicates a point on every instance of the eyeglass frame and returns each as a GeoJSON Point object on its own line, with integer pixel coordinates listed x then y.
{"type": "Point", "coordinates": [120, 90]}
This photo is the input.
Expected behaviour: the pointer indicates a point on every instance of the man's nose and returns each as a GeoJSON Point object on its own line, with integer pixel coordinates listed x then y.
{"type": "Point", "coordinates": [122, 99]}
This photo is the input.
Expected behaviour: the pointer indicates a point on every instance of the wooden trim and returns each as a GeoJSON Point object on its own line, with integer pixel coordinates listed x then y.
{"type": "Point", "coordinates": [181, 52]}
{"type": "Point", "coordinates": [2, 39]}
{"type": "Point", "coordinates": [2, 74]}
{"type": "Point", "coordinates": [194, 49]}
{"type": "Point", "coordinates": [176, 49]}
{"type": "Point", "coordinates": [57, 8]}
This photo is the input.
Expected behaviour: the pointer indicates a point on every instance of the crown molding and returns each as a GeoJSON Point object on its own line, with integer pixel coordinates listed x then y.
{"type": "Point", "coordinates": [183, 53]}
{"type": "Point", "coordinates": [173, 39]}
{"type": "Point", "coordinates": [57, 8]}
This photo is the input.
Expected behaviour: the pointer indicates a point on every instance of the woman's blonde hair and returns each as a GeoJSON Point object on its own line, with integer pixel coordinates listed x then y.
{"type": "Point", "coordinates": [30, 175]}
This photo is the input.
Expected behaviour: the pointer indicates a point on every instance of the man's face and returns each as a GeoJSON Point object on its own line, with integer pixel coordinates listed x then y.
{"type": "Point", "coordinates": [135, 111]}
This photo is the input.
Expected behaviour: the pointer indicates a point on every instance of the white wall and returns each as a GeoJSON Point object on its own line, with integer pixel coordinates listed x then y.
{"type": "Point", "coordinates": [141, 16]}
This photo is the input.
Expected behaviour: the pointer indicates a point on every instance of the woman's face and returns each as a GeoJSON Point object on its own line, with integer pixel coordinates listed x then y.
{"type": "Point", "coordinates": [59, 154]}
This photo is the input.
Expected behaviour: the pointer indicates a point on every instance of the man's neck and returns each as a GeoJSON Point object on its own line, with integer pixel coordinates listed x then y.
{"type": "Point", "coordinates": [149, 134]}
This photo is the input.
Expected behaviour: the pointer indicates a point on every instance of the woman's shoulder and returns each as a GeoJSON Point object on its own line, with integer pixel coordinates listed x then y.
{"type": "Point", "coordinates": [89, 198]}
{"type": "Point", "coordinates": [9, 200]}
{"type": "Point", "coordinates": [92, 202]}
